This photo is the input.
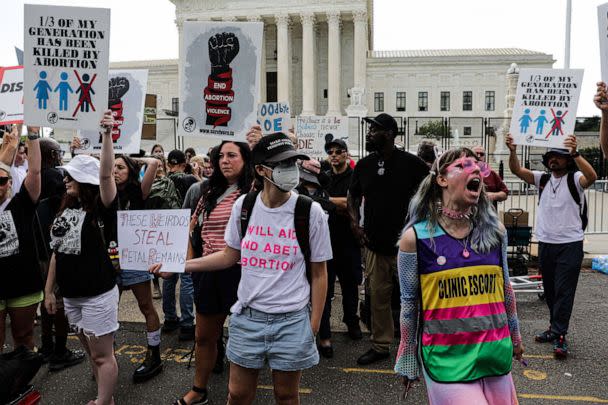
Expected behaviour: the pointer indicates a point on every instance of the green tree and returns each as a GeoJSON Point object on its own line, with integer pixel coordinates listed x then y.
{"type": "Point", "coordinates": [432, 130]}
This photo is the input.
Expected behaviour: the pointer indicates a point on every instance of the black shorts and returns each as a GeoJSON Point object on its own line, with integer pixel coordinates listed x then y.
{"type": "Point", "coordinates": [215, 291]}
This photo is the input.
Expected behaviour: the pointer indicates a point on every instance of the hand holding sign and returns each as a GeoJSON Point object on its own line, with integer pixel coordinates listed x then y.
{"type": "Point", "coordinates": [601, 97]}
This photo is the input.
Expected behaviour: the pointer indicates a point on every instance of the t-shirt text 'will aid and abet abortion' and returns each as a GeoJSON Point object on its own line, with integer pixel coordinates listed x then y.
{"type": "Point", "coordinates": [281, 243]}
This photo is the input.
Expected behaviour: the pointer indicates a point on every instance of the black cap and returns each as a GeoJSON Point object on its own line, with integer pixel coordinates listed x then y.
{"type": "Point", "coordinates": [385, 121]}
{"type": "Point", "coordinates": [176, 157]}
{"type": "Point", "coordinates": [275, 148]}
{"type": "Point", "coordinates": [335, 142]}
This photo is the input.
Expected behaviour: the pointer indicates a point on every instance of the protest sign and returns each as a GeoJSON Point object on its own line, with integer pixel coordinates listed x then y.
{"type": "Point", "coordinates": [274, 117]}
{"type": "Point", "coordinates": [544, 113]}
{"type": "Point", "coordinates": [127, 93]}
{"type": "Point", "coordinates": [602, 24]}
{"type": "Point", "coordinates": [148, 131]}
{"type": "Point", "coordinates": [11, 95]}
{"type": "Point", "coordinates": [66, 60]}
{"type": "Point", "coordinates": [314, 131]}
{"type": "Point", "coordinates": [146, 237]}
{"type": "Point", "coordinates": [220, 79]}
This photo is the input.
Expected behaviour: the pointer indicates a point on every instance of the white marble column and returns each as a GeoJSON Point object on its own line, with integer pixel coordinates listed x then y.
{"type": "Point", "coordinates": [308, 64]}
{"type": "Point", "coordinates": [283, 62]}
{"type": "Point", "coordinates": [257, 18]}
{"type": "Point", "coordinates": [357, 105]}
{"type": "Point", "coordinates": [333, 64]}
{"type": "Point", "coordinates": [181, 56]}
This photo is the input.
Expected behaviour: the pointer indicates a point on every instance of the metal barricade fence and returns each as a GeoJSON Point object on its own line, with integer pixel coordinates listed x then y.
{"type": "Point", "coordinates": [524, 196]}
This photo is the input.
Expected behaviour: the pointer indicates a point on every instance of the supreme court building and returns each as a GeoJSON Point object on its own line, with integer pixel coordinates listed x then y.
{"type": "Point", "coordinates": [319, 56]}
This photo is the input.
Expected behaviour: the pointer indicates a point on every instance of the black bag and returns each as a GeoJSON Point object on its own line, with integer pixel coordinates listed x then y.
{"type": "Point", "coordinates": [17, 369]}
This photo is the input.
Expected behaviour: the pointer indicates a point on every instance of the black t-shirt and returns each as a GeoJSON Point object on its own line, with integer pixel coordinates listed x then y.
{"type": "Point", "coordinates": [386, 196]}
{"type": "Point", "coordinates": [19, 270]}
{"type": "Point", "coordinates": [51, 193]}
{"type": "Point", "coordinates": [339, 222]}
{"type": "Point", "coordinates": [83, 267]}
{"type": "Point", "coordinates": [182, 183]}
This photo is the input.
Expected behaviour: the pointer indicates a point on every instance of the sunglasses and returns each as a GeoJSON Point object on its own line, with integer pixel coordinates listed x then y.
{"type": "Point", "coordinates": [481, 154]}
{"type": "Point", "coordinates": [335, 152]}
{"type": "Point", "coordinates": [469, 165]}
{"type": "Point", "coordinates": [4, 180]}
{"type": "Point", "coordinates": [68, 177]}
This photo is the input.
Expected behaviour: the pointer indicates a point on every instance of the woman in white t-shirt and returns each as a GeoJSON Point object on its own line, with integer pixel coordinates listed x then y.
{"type": "Point", "coordinates": [278, 311]}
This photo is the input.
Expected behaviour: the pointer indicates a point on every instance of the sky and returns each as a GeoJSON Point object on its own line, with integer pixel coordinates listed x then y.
{"type": "Point", "coordinates": [145, 29]}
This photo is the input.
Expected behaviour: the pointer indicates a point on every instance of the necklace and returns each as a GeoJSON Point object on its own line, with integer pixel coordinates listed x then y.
{"type": "Point", "coordinates": [554, 189]}
{"type": "Point", "coordinates": [453, 214]}
{"type": "Point", "coordinates": [380, 167]}
{"type": "Point", "coordinates": [465, 252]}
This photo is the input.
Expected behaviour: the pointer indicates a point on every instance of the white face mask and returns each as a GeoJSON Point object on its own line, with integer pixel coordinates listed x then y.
{"type": "Point", "coordinates": [285, 176]}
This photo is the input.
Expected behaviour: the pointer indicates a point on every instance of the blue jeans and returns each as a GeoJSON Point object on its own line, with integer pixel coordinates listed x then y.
{"type": "Point", "coordinates": [186, 299]}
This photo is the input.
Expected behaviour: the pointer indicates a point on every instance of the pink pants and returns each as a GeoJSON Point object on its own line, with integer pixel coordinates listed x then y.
{"type": "Point", "coordinates": [486, 391]}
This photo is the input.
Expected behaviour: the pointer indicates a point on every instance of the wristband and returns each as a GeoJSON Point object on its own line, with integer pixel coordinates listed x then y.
{"type": "Point", "coordinates": [575, 154]}
{"type": "Point", "coordinates": [33, 135]}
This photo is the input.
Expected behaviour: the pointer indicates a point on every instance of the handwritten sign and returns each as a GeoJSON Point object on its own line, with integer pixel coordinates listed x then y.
{"type": "Point", "coordinates": [153, 236]}
{"type": "Point", "coordinates": [11, 95]}
{"type": "Point", "coordinates": [220, 73]}
{"type": "Point", "coordinates": [126, 101]}
{"type": "Point", "coordinates": [545, 107]}
{"type": "Point", "coordinates": [66, 61]}
{"type": "Point", "coordinates": [314, 132]}
{"type": "Point", "coordinates": [274, 117]}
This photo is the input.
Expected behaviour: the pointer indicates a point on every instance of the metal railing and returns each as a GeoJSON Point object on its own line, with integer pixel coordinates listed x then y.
{"type": "Point", "coordinates": [524, 196]}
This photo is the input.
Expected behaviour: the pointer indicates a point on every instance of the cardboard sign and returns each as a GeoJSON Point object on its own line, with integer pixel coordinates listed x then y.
{"type": "Point", "coordinates": [544, 113]}
{"type": "Point", "coordinates": [148, 131]}
{"type": "Point", "coordinates": [66, 60]}
{"type": "Point", "coordinates": [274, 117]}
{"type": "Point", "coordinates": [11, 95]}
{"type": "Point", "coordinates": [220, 79]}
{"type": "Point", "coordinates": [146, 237]}
{"type": "Point", "coordinates": [127, 92]}
{"type": "Point", "coordinates": [314, 132]}
{"type": "Point", "coordinates": [602, 24]}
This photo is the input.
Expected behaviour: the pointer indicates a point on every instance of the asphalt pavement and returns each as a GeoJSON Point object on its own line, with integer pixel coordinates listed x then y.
{"type": "Point", "coordinates": [581, 379]}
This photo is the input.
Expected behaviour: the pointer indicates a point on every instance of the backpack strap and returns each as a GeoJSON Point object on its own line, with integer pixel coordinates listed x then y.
{"type": "Point", "coordinates": [246, 210]}
{"type": "Point", "coordinates": [577, 199]}
{"type": "Point", "coordinates": [301, 221]}
{"type": "Point", "coordinates": [544, 179]}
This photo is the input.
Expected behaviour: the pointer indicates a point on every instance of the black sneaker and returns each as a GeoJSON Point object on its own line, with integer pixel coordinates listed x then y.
{"type": "Point", "coordinates": [186, 333]}
{"type": "Point", "coordinates": [151, 366]}
{"type": "Point", "coordinates": [371, 356]}
{"type": "Point", "coordinates": [546, 336]}
{"type": "Point", "coordinates": [46, 353]}
{"type": "Point", "coordinates": [560, 347]}
{"type": "Point", "coordinates": [326, 351]}
{"type": "Point", "coordinates": [170, 325]}
{"type": "Point", "coordinates": [68, 359]}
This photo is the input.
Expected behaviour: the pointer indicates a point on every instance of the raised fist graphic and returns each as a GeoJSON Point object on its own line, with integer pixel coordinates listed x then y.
{"type": "Point", "coordinates": [117, 88]}
{"type": "Point", "coordinates": [223, 48]}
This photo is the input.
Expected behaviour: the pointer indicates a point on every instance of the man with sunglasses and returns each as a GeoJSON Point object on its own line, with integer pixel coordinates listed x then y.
{"type": "Point", "coordinates": [346, 264]}
{"type": "Point", "coordinates": [387, 179]}
{"type": "Point", "coordinates": [560, 225]}
{"type": "Point", "coordinates": [496, 189]}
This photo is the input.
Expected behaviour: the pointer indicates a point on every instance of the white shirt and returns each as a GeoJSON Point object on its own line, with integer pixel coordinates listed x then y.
{"type": "Point", "coordinates": [18, 174]}
{"type": "Point", "coordinates": [558, 218]}
{"type": "Point", "coordinates": [273, 271]}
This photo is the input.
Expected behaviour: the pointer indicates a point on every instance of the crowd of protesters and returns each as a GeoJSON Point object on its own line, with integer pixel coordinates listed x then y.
{"type": "Point", "coordinates": [365, 225]}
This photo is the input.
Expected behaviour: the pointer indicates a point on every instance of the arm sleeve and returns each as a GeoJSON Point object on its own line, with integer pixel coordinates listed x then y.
{"type": "Point", "coordinates": [320, 244]}
{"type": "Point", "coordinates": [407, 364]}
{"type": "Point", "coordinates": [510, 305]}
{"type": "Point", "coordinates": [232, 234]}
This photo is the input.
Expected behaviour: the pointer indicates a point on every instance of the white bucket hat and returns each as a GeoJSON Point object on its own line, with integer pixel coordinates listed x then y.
{"type": "Point", "coordinates": [83, 169]}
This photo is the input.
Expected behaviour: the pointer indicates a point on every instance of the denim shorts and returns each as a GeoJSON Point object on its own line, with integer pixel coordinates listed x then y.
{"type": "Point", "coordinates": [285, 341]}
{"type": "Point", "coordinates": [93, 316]}
{"type": "Point", "coordinates": [128, 278]}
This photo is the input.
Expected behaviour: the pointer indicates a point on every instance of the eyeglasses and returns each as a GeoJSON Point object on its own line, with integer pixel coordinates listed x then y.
{"type": "Point", "coordinates": [469, 165]}
{"type": "Point", "coordinates": [4, 180]}
{"type": "Point", "coordinates": [335, 152]}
